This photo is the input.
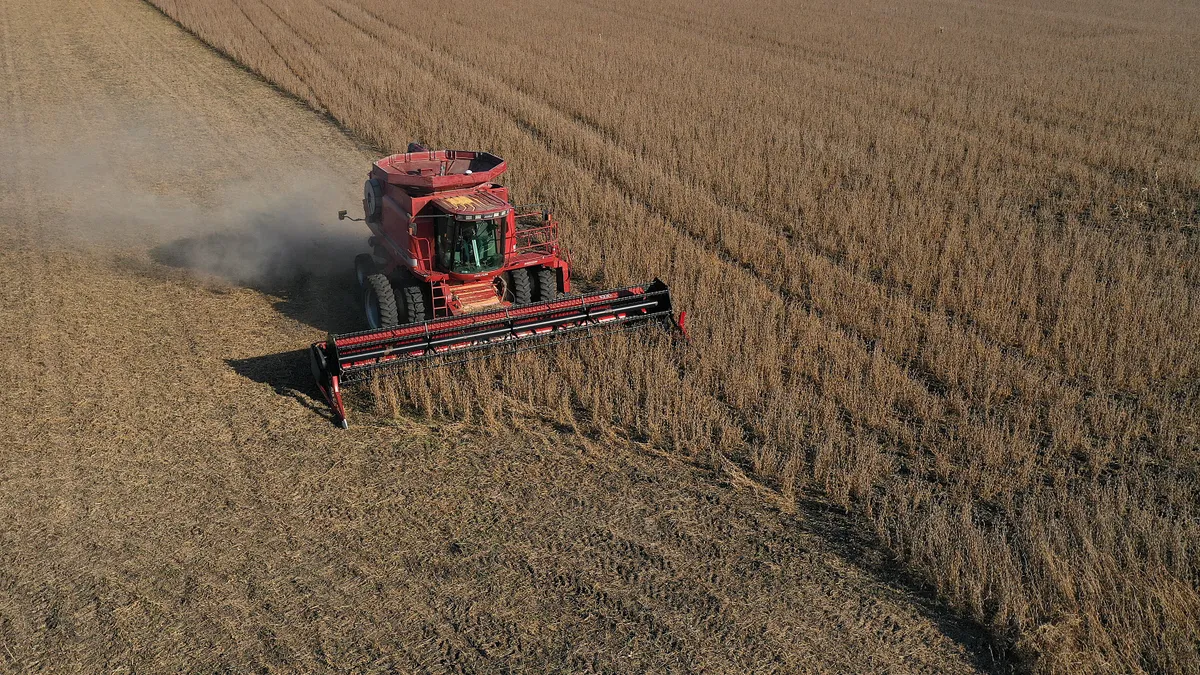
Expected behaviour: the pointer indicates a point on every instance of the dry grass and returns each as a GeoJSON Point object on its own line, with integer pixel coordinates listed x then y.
{"type": "Point", "coordinates": [941, 260]}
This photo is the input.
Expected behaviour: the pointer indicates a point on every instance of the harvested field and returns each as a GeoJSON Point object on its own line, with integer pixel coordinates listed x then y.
{"type": "Point", "coordinates": [172, 498]}
{"type": "Point", "coordinates": [941, 259]}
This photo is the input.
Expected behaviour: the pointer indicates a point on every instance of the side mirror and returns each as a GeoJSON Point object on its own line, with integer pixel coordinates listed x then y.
{"type": "Point", "coordinates": [342, 214]}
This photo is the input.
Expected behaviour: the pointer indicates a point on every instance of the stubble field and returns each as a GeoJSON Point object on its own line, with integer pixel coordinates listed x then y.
{"type": "Point", "coordinates": [940, 412]}
{"type": "Point", "coordinates": [940, 260]}
{"type": "Point", "coordinates": [173, 497]}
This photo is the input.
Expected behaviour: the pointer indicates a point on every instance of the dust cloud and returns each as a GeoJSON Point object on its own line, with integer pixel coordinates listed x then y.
{"type": "Point", "coordinates": [194, 206]}
{"type": "Point", "coordinates": [265, 240]}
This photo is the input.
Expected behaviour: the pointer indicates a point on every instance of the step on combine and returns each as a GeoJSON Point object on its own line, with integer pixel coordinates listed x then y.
{"type": "Point", "coordinates": [457, 271]}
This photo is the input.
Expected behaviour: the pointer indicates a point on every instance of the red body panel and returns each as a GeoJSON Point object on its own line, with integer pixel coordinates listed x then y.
{"type": "Point", "coordinates": [438, 170]}
{"type": "Point", "coordinates": [419, 187]}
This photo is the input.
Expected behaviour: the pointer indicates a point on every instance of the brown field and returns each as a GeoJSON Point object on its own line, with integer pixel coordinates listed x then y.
{"type": "Point", "coordinates": [941, 259]}
{"type": "Point", "coordinates": [942, 273]}
{"type": "Point", "coordinates": [173, 499]}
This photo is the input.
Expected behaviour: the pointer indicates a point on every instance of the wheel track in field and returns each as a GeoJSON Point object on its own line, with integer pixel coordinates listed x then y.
{"type": "Point", "coordinates": [958, 317]}
{"type": "Point", "coordinates": [836, 63]}
{"type": "Point", "coordinates": [923, 378]}
{"type": "Point", "coordinates": [314, 51]}
{"type": "Point", "coordinates": [915, 370]}
{"type": "Point", "coordinates": [161, 511]}
{"type": "Point", "coordinates": [282, 60]}
{"type": "Point", "coordinates": [962, 322]}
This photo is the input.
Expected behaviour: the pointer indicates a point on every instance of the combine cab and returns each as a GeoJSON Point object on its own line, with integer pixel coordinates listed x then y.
{"type": "Point", "coordinates": [455, 269]}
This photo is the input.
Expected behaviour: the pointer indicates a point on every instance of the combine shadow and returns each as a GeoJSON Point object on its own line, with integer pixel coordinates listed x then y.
{"type": "Point", "coordinates": [288, 374]}
{"type": "Point", "coordinates": [309, 274]}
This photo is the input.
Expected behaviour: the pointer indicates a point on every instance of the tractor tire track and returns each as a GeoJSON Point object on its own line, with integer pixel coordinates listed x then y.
{"type": "Point", "coordinates": [170, 501]}
{"type": "Point", "coordinates": [782, 284]}
{"type": "Point", "coordinates": [968, 335]}
{"type": "Point", "coordinates": [961, 319]}
{"type": "Point", "coordinates": [836, 64]}
{"type": "Point", "coordinates": [310, 93]}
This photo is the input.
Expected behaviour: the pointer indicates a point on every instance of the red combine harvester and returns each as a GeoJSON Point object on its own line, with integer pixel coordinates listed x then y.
{"type": "Point", "coordinates": [456, 269]}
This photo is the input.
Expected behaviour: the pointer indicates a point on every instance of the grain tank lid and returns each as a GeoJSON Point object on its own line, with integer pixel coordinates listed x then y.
{"type": "Point", "coordinates": [438, 170]}
{"type": "Point", "coordinates": [480, 205]}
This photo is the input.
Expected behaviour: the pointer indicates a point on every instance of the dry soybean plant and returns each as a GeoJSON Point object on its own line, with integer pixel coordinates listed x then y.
{"type": "Point", "coordinates": [941, 261]}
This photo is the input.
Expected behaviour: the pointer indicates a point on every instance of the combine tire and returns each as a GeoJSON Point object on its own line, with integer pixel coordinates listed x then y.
{"type": "Point", "coordinates": [373, 196]}
{"type": "Point", "coordinates": [379, 302]}
{"type": "Point", "coordinates": [412, 304]}
{"type": "Point", "coordinates": [364, 266]}
{"type": "Point", "coordinates": [522, 286]}
{"type": "Point", "coordinates": [547, 285]}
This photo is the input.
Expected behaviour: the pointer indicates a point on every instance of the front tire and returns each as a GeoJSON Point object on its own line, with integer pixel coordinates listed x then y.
{"type": "Point", "coordinates": [547, 285]}
{"type": "Point", "coordinates": [412, 304]}
{"type": "Point", "coordinates": [379, 302]}
{"type": "Point", "coordinates": [522, 286]}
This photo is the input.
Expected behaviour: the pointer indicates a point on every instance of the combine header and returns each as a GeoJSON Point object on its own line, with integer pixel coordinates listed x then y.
{"type": "Point", "coordinates": [455, 270]}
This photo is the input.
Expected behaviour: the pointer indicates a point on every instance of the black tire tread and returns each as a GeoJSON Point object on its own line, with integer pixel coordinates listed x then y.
{"type": "Point", "coordinates": [382, 288]}
{"type": "Point", "coordinates": [522, 286]}
{"type": "Point", "coordinates": [413, 301]}
{"type": "Point", "coordinates": [546, 286]}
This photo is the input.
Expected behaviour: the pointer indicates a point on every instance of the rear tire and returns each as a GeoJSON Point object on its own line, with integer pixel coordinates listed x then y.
{"type": "Point", "coordinates": [364, 266]}
{"type": "Point", "coordinates": [522, 286]}
{"type": "Point", "coordinates": [379, 302]}
{"type": "Point", "coordinates": [547, 285]}
{"type": "Point", "coordinates": [412, 304]}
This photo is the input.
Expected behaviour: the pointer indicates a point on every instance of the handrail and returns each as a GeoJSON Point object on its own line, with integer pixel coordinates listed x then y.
{"type": "Point", "coordinates": [543, 239]}
{"type": "Point", "coordinates": [419, 249]}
